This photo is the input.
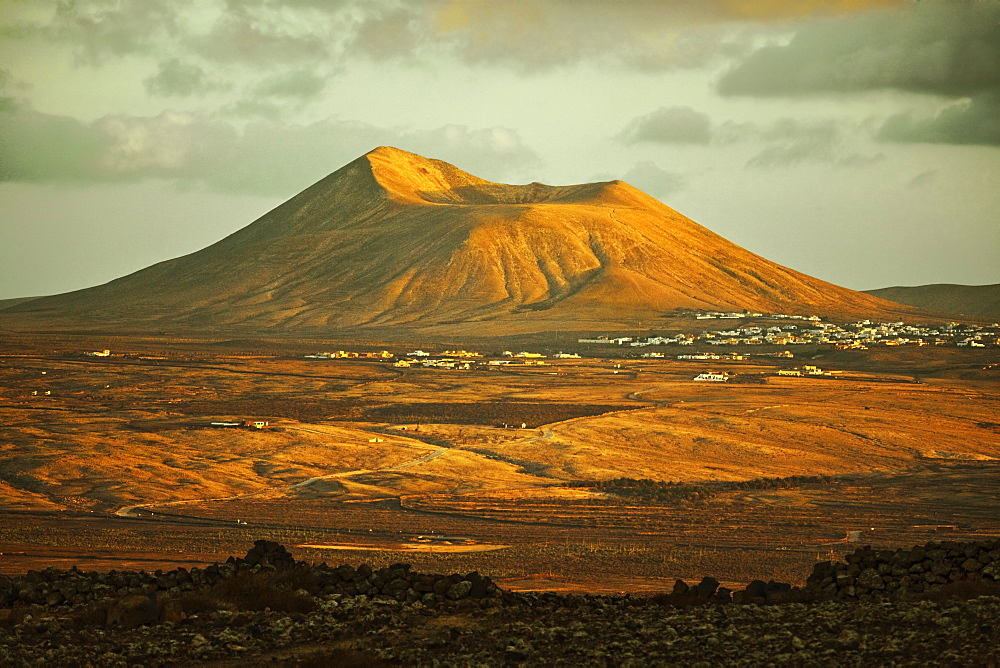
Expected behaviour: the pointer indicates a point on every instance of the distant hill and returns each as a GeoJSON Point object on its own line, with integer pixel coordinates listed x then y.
{"type": "Point", "coordinates": [395, 240]}
{"type": "Point", "coordinates": [977, 301]}
{"type": "Point", "coordinates": [7, 303]}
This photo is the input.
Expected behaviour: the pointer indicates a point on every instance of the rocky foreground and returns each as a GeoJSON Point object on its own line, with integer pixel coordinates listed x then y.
{"type": "Point", "coordinates": [266, 608]}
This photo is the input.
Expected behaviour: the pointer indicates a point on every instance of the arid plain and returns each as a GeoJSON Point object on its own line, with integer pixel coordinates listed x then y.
{"type": "Point", "coordinates": [111, 462]}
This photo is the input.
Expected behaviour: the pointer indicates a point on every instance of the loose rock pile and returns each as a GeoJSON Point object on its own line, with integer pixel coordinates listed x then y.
{"type": "Point", "coordinates": [53, 588]}
{"type": "Point", "coordinates": [366, 616]}
{"type": "Point", "coordinates": [870, 573]}
{"type": "Point", "coordinates": [402, 584]}
{"type": "Point", "coordinates": [57, 589]}
{"type": "Point", "coordinates": [709, 591]}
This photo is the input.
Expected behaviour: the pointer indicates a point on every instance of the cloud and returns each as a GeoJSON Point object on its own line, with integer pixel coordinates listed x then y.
{"type": "Point", "coordinates": [669, 125]}
{"type": "Point", "coordinates": [790, 141]}
{"type": "Point", "coordinates": [496, 152]}
{"type": "Point", "coordinates": [777, 10]}
{"type": "Point", "coordinates": [249, 32]}
{"type": "Point", "coordinates": [922, 180]}
{"type": "Point", "coordinates": [651, 178]}
{"type": "Point", "coordinates": [640, 34]}
{"type": "Point", "coordinates": [284, 159]}
{"type": "Point", "coordinates": [265, 33]}
{"type": "Point", "coordinates": [303, 84]}
{"type": "Point", "coordinates": [975, 121]}
{"type": "Point", "coordinates": [11, 92]}
{"type": "Point", "coordinates": [42, 147]}
{"type": "Point", "coordinates": [524, 36]}
{"type": "Point", "coordinates": [396, 33]}
{"type": "Point", "coordinates": [177, 78]}
{"type": "Point", "coordinates": [949, 48]}
{"type": "Point", "coordinates": [102, 28]}
{"type": "Point", "coordinates": [540, 36]}
{"type": "Point", "coordinates": [794, 142]}
{"type": "Point", "coordinates": [165, 146]}
{"type": "Point", "coordinates": [262, 158]}
{"type": "Point", "coordinates": [787, 141]}
{"type": "Point", "coordinates": [251, 108]}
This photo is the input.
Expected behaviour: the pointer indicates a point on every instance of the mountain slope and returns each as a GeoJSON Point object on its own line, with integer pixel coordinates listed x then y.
{"type": "Point", "coordinates": [979, 301]}
{"type": "Point", "coordinates": [394, 239]}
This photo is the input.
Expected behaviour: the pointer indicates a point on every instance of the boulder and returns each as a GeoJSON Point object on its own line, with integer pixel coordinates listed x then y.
{"type": "Point", "coordinates": [706, 587]}
{"type": "Point", "coordinates": [459, 590]}
{"type": "Point", "coordinates": [133, 611]}
{"type": "Point", "coordinates": [870, 579]}
{"type": "Point", "coordinates": [170, 610]}
{"type": "Point", "coordinates": [268, 553]}
{"type": "Point", "coordinates": [970, 565]}
{"type": "Point", "coordinates": [756, 588]}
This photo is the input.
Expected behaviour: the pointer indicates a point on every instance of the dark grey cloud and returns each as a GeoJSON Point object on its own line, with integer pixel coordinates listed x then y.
{"type": "Point", "coordinates": [949, 49]}
{"type": "Point", "coordinates": [974, 121]}
{"type": "Point", "coordinates": [669, 125]}
{"type": "Point", "coordinates": [649, 177]}
{"type": "Point", "coordinates": [212, 153]}
{"type": "Point", "coordinates": [944, 47]}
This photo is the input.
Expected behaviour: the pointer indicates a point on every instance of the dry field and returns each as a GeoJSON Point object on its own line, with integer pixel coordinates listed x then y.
{"type": "Point", "coordinates": [112, 463]}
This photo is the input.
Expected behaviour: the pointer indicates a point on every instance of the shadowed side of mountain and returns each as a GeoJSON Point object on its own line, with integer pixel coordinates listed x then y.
{"type": "Point", "coordinates": [977, 301]}
{"type": "Point", "coordinates": [7, 303]}
{"type": "Point", "coordinates": [396, 240]}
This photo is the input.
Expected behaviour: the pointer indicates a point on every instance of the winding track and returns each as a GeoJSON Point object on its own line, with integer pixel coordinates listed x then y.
{"type": "Point", "coordinates": [132, 511]}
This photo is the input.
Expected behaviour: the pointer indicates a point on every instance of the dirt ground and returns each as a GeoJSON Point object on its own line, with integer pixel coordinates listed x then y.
{"type": "Point", "coordinates": [112, 462]}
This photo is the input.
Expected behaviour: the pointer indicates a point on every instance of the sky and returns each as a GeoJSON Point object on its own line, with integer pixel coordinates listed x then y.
{"type": "Point", "coordinates": [854, 140]}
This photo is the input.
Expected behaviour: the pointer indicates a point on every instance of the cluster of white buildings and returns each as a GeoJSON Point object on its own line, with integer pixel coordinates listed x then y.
{"type": "Point", "coordinates": [735, 315]}
{"type": "Point", "coordinates": [807, 370]}
{"type": "Point", "coordinates": [856, 335]}
{"type": "Point", "coordinates": [865, 333]}
{"type": "Point", "coordinates": [464, 360]}
{"type": "Point", "coordinates": [711, 356]}
{"type": "Point", "coordinates": [347, 354]}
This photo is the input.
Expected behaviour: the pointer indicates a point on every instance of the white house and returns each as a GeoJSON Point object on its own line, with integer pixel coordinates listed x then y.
{"type": "Point", "coordinates": [711, 376]}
